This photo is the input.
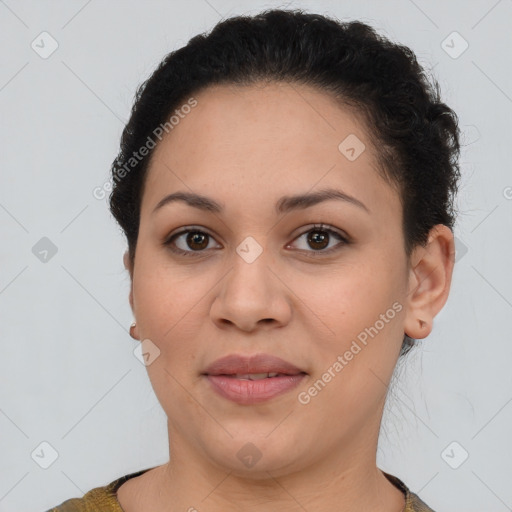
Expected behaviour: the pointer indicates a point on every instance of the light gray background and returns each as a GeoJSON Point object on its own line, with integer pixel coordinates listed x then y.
{"type": "Point", "coordinates": [69, 376]}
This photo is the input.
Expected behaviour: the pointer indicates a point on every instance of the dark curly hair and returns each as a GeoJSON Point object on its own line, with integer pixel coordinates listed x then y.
{"type": "Point", "coordinates": [414, 134]}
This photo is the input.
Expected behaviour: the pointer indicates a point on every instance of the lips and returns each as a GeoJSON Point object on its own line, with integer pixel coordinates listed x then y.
{"type": "Point", "coordinates": [253, 367]}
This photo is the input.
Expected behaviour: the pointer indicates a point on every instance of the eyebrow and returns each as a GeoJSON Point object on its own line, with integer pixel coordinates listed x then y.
{"type": "Point", "coordinates": [284, 204]}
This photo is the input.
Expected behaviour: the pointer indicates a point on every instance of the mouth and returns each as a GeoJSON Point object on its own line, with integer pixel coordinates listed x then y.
{"type": "Point", "coordinates": [253, 379]}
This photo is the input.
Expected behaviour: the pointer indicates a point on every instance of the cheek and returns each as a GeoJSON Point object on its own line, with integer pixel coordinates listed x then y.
{"type": "Point", "coordinates": [349, 297]}
{"type": "Point", "coordinates": [167, 312]}
{"type": "Point", "coordinates": [361, 312]}
{"type": "Point", "coordinates": [163, 293]}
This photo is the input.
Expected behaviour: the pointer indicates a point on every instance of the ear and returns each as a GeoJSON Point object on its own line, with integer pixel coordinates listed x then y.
{"type": "Point", "coordinates": [430, 276]}
{"type": "Point", "coordinates": [128, 266]}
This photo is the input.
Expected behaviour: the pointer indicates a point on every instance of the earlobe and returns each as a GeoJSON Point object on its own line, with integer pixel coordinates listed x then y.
{"type": "Point", "coordinates": [133, 331]}
{"type": "Point", "coordinates": [429, 281]}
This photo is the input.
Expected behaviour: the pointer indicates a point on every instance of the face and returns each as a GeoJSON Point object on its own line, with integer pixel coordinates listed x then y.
{"type": "Point", "coordinates": [259, 276]}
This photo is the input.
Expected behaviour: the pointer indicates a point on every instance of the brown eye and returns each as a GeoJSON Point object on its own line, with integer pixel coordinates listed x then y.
{"type": "Point", "coordinates": [197, 240]}
{"type": "Point", "coordinates": [193, 242]}
{"type": "Point", "coordinates": [189, 242]}
{"type": "Point", "coordinates": [318, 238]}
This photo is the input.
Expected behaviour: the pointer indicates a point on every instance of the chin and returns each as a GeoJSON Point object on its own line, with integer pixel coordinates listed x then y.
{"type": "Point", "coordinates": [255, 453]}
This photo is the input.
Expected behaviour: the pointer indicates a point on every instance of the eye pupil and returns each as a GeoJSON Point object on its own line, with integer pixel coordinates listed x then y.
{"type": "Point", "coordinates": [318, 237]}
{"type": "Point", "coordinates": [196, 237]}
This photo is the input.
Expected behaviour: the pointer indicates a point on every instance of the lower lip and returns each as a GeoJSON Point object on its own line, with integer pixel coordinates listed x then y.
{"type": "Point", "coordinates": [253, 391]}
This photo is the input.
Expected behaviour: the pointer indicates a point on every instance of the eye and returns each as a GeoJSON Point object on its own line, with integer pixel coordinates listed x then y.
{"type": "Point", "coordinates": [196, 239]}
{"type": "Point", "coordinates": [319, 237]}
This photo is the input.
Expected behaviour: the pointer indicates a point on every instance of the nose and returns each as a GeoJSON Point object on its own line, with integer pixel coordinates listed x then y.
{"type": "Point", "coordinates": [251, 296]}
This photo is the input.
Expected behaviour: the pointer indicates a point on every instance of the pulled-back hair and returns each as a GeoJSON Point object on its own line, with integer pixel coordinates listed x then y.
{"type": "Point", "coordinates": [415, 136]}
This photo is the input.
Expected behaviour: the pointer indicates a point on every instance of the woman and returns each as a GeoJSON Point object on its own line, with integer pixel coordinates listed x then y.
{"type": "Point", "coordinates": [286, 186]}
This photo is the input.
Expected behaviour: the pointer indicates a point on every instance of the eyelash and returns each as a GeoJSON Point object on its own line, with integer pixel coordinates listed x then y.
{"type": "Point", "coordinates": [169, 242]}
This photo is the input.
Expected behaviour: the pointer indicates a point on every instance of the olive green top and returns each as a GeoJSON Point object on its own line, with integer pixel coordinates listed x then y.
{"type": "Point", "coordinates": [104, 499]}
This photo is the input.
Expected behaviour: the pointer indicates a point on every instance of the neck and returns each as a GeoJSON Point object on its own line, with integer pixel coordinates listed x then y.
{"type": "Point", "coordinates": [346, 480]}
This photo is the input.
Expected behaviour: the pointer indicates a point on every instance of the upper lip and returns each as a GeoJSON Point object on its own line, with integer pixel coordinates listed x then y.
{"type": "Point", "coordinates": [259, 363]}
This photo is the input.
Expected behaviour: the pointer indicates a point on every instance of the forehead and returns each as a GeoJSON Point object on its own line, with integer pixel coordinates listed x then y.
{"type": "Point", "coordinates": [266, 140]}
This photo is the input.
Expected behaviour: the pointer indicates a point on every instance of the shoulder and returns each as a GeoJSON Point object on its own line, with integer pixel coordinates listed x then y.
{"type": "Point", "coordinates": [413, 502]}
{"type": "Point", "coordinates": [100, 498]}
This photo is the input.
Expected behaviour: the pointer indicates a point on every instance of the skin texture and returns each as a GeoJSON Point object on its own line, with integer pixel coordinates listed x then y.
{"type": "Point", "coordinates": [246, 147]}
